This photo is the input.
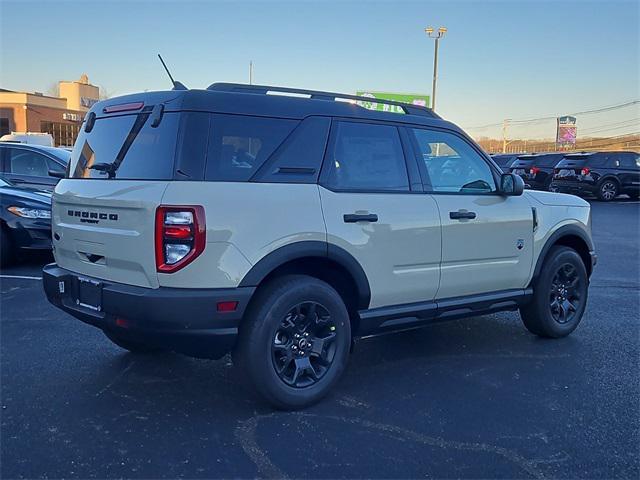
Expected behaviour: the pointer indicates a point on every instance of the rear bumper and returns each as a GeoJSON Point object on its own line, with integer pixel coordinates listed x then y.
{"type": "Point", "coordinates": [184, 320]}
{"type": "Point", "coordinates": [575, 187]}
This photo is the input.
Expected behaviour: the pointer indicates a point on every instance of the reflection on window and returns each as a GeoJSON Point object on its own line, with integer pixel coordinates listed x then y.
{"type": "Point", "coordinates": [452, 164]}
{"type": "Point", "coordinates": [64, 134]}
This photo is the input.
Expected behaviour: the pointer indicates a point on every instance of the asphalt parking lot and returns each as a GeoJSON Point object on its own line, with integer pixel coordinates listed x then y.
{"type": "Point", "coordinates": [473, 398]}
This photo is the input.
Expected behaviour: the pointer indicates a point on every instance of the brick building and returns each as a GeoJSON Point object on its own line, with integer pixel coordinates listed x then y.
{"type": "Point", "coordinates": [60, 116]}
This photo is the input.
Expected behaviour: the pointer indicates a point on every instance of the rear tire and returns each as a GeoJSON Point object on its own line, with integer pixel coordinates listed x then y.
{"type": "Point", "coordinates": [559, 295]}
{"type": "Point", "coordinates": [131, 346]}
{"type": "Point", "coordinates": [608, 190]}
{"type": "Point", "coordinates": [294, 342]}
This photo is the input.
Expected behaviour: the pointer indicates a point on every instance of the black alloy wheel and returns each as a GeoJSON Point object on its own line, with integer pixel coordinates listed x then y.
{"type": "Point", "coordinates": [565, 294]}
{"type": "Point", "coordinates": [303, 347]}
{"type": "Point", "coordinates": [608, 190]}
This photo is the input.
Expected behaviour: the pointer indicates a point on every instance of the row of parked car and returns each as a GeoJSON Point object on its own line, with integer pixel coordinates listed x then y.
{"type": "Point", "coordinates": [602, 174]}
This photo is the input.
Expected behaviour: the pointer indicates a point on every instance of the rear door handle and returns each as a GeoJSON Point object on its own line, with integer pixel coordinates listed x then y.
{"type": "Point", "coordinates": [356, 217]}
{"type": "Point", "coordinates": [462, 215]}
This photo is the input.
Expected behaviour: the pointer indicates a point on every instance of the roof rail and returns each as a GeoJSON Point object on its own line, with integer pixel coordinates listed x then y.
{"type": "Point", "coordinates": [319, 95]}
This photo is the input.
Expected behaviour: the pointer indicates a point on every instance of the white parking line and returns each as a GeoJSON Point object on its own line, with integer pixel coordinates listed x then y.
{"type": "Point", "coordinates": [21, 277]}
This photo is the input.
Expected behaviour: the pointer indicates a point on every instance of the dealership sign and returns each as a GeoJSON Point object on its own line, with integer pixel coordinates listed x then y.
{"type": "Point", "coordinates": [417, 99]}
{"type": "Point", "coordinates": [73, 117]}
{"type": "Point", "coordinates": [567, 131]}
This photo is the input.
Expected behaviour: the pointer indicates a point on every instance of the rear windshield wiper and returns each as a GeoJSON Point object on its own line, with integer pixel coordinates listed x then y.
{"type": "Point", "coordinates": [111, 168]}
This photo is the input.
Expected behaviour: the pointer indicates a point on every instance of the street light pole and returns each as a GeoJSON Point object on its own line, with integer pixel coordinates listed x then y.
{"type": "Point", "coordinates": [436, 36]}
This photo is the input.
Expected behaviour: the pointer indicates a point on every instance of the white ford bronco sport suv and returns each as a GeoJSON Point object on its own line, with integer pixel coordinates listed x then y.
{"type": "Point", "coordinates": [282, 227]}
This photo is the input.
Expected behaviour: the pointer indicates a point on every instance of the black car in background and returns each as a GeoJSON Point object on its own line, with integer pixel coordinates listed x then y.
{"type": "Point", "coordinates": [33, 165]}
{"type": "Point", "coordinates": [504, 160]}
{"type": "Point", "coordinates": [536, 169]}
{"type": "Point", "coordinates": [25, 220]}
{"type": "Point", "coordinates": [604, 174]}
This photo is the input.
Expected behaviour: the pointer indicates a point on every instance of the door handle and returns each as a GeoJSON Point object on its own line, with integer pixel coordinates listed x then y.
{"type": "Point", "coordinates": [462, 215]}
{"type": "Point", "coordinates": [356, 217]}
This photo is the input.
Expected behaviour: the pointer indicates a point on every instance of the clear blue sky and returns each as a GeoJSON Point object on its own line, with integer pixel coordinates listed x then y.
{"type": "Point", "coordinates": [508, 59]}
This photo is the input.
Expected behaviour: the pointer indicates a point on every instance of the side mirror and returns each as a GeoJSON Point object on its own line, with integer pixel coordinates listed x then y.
{"type": "Point", "coordinates": [511, 184]}
{"type": "Point", "coordinates": [56, 174]}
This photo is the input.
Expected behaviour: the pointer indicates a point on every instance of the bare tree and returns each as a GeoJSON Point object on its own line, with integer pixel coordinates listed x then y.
{"type": "Point", "coordinates": [105, 93]}
{"type": "Point", "coordinates": [53, 90]}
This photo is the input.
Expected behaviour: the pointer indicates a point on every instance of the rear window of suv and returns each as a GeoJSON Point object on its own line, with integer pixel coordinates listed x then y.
{"type": "Point", "coordinates": [150, 154]}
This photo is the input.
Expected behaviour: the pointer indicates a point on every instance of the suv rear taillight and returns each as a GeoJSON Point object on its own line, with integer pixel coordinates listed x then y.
{"type": "Point", "coordinates": [585, 171]}
{"type": "Point", "coordinates": [180, 236]}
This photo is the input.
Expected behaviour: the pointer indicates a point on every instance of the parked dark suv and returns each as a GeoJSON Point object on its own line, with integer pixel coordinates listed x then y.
{"type": "Point", "coordinates": [536, 169]}
{"type": "Point", "coordinates": [604, 174]}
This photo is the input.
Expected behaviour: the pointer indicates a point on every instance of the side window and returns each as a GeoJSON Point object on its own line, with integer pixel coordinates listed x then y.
{"type": "Point", "coordinates": [629, 161]}
{"type": "Point", "coordinates": [240, 144]}
{"type": "Point", "coordinates": [452, 164]}
{"type": "Point", "coordinates": [299, 158]}
{"type": "Point", "coordinates": [598, 160]}
{"type": "Point", "coordinates": [55, 166]}
{"type": "Point", "coordinates": [366, 157]}
{"type": "Point", "coordinates": [26, 162]}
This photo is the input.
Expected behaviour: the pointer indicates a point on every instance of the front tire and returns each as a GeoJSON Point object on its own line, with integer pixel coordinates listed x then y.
{"type": "Point", "coordinates": [131, 346]}
{"type": "Point", "coordinates": [293, 345]}
{"type": "Point", "coordinates": [6, 248]}
{"type": "Point", "coordinates": [608, 190]}
{"type": "Point", "coordinates": [559, 295]}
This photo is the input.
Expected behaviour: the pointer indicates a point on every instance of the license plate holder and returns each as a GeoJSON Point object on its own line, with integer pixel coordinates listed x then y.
{"type": "Point", "coordinates": [89, 294]}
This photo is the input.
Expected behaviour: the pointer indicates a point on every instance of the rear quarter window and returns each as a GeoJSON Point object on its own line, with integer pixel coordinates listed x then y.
{"type": "Point", "coordinates": [240, 144]}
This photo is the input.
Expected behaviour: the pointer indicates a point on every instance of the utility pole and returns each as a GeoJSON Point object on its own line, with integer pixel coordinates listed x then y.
{"type": "Point", "coordinates": [250, 72]}
{"type": "Point", "coordinates": [436, 36]}
{"type": "Point", "coordinates": [505, 124]}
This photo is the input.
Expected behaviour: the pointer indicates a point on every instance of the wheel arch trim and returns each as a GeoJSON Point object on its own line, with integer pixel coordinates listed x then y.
{"type": "Point", "coordinates": [310, 249]}
{"type": "Point", "coordinates": [560, 233]}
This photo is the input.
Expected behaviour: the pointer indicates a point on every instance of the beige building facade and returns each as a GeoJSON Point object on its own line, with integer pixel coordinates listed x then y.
{"type": "Point", "coordinates": [60, 116]}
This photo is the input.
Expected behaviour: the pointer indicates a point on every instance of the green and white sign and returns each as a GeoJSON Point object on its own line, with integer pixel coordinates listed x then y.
{"type": "Point", "coordinates": [414, 99]}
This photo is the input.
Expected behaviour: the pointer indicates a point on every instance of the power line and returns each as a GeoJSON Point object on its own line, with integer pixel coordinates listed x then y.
{"type": "Point", "coordinates": [553, 117]}
{"type": "Point", "coordinates": [610, 128]}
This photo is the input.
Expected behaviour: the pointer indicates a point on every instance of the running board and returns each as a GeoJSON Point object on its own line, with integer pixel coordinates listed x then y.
{"type": "Point", "coordinates": [413, 315]}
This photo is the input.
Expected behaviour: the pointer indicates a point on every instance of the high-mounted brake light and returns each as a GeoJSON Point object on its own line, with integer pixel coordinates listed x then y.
{"type": "Point", "coordinates": [123, 107]}
{"type": "Point", "coordinates": [180, 236]}
{"type": "Point", "coordinates": [585, 171]}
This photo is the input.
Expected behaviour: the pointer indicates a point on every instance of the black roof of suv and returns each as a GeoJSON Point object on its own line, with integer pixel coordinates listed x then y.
{"type": "Point", "coordinates": [276, 102]}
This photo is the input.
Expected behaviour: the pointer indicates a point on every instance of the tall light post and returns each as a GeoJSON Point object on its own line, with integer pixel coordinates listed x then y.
{"type": "Point", "coordinates": [436, 35]}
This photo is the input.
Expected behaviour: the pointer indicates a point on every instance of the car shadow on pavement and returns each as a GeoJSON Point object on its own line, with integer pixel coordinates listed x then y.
{"type": "Point", "coordinates": [394, 360]}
